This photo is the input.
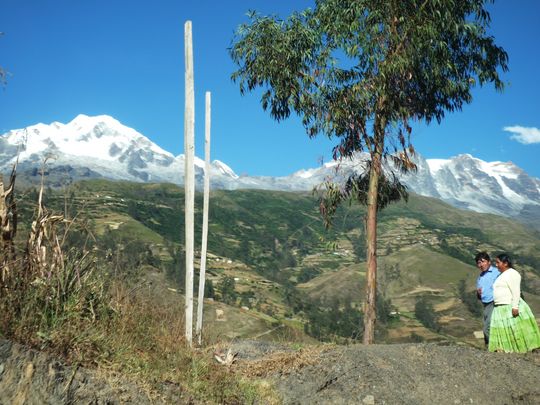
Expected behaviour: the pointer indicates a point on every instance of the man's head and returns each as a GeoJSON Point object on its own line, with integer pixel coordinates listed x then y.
{"type": "Point", "coordinates": [483, 262]}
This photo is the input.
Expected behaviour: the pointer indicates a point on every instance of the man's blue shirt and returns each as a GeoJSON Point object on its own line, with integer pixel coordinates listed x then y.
{"type": "Point", "coordinates": [485, 282]}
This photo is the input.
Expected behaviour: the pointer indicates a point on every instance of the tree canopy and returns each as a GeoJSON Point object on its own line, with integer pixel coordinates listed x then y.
{"type": "Point", "coordinates": [345, 63]}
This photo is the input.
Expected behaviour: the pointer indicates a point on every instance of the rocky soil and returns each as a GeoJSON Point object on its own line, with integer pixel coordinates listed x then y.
{"type": "Point", "coordinates": [407, 374]}
{"type": "Point", "coordinates": [378, 374]}
{"type": "Point", "coordinates": [35, 378]}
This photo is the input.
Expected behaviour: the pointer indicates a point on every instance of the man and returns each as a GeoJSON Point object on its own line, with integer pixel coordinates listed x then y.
{"type": "Point", "coordinates": [484, 288]}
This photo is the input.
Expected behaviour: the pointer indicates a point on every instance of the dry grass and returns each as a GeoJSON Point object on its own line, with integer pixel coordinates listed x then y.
{"type": "Point", "coordinates": [148, 344]}
{"type": "Point", "coordinates": [281, 362]}
{"type": "Point", "coordinates": [50, 295]}
{"type": "Point", "coordinates": [60, 299]}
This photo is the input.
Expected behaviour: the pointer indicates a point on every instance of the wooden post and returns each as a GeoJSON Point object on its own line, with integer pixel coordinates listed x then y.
{"type": "Point", "coordinates": [189, 176]}
{"type": "Point", "coordinates": [202, 272]}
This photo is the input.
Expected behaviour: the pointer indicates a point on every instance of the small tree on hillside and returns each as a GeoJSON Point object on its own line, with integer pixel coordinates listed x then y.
{"type": "Point", "coordinates": [424, 312]}
{"type": "Point", "coordinates": [228, 290]}
{"type": "Point", "coordinates": [361, 71]}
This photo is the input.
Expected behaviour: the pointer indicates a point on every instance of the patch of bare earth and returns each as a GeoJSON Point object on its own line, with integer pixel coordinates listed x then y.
{"type": "Point", "coordinates": [319, 374]}
{"type": "Point", "coordinates": [36, 378]}
{"type": "Point", "coordinates": [397, 374]}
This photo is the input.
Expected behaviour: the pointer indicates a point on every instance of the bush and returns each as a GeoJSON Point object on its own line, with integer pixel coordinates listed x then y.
{"type": "Point", "coordinates": [307, 273]}
{"type": "Point", "coordinates": [424, 312]}
{"type": "Point", "coordinates": [209, 289]}
{"type": "Point", "coordinates": [383, 308]}
{"type": "Point", "coordinates": [228, 292]}
{"type": "Point", "coordinates": [325, 322]}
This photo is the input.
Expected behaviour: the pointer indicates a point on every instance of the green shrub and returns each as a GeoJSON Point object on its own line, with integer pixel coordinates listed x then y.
{"type": "Point", "coordinates": [424, 312]}
{"type": "Point", "coordinates": [328, 322]}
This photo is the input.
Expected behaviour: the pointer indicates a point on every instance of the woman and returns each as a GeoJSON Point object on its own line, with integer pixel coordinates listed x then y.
{"type": "Point", "coordinates": [513, 326]}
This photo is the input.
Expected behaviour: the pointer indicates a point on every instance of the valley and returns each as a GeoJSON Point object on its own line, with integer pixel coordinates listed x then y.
{"type": "Point", "coordinates": [278, 273]}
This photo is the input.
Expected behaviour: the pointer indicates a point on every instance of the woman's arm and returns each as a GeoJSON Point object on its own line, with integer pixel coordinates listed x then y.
{"type": "Point", "coordinates": [514, 284]}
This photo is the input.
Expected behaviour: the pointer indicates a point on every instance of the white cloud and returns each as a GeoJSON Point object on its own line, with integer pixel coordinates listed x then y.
{"type": "Point", "coordinates": [524, 135]}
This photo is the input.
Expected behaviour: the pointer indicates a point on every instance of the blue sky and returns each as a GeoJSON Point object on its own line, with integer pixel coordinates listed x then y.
{"type": "Point", "coordinates": [125, 59]}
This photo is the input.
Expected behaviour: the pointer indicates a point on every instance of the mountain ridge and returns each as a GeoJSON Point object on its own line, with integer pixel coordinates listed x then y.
{"type": "Point", "coordinates": [101, 146]}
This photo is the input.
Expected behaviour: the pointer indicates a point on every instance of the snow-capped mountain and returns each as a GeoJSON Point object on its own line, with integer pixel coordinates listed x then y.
{"type": "Point", "coordinates": [464, 181]}
{"type": "Point", "coordinates": [102, 147]}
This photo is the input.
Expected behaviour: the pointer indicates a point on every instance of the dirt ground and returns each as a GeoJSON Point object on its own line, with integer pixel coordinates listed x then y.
{"type": "Point", "coordinates": [34, 378]}
{"type": "Point", "coordinates": [414, 374]}
{"type": "Point", "coordinates": [356, 374]}
{"type": "Point", "coordinates": [395, 374]}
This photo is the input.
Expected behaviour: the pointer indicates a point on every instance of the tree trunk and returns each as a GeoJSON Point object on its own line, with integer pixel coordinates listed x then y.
{"type": "Point", "coordinates": [370, 314]}
{"type": "Point", "coordinates": [189, 177]}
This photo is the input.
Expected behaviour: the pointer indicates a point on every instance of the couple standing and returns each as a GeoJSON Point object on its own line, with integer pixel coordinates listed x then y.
{"type": "Point", "coordinates": [509, 325]}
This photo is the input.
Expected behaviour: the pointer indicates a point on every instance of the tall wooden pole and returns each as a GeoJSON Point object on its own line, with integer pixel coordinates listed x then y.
{"type": "Point", "coordinates": [189, 176]}
{"type": "Point", "coordinates": [202, 272]}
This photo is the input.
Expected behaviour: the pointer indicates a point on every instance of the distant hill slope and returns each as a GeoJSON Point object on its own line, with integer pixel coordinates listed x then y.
{"type": "Point", "coordinates": [274, 246]}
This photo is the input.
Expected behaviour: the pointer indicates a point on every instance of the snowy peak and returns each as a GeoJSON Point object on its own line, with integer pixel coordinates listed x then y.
{"type": "Point", "coordinates": [497, 187]}
{"type": "Point", "coordinates": [101, 137]}
{"type": "Point", "coordinates": [223, 169]}
{"type": "Point", "coordinates": [106, 147]}
{"type": "Point", "coordinates": [466, 161]}
{"type": "Point", "coordinates": [101, 143]}
{"type": "Point", "coordinates": [464, 181]}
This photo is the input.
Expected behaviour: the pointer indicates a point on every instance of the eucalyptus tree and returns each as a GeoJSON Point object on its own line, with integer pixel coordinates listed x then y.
{"type": "Point", "coordinates": [361, 72]}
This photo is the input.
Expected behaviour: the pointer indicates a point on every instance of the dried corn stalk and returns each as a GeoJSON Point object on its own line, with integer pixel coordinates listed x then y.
{"type": "Point", "coordinates": [8, 225]}
{"type": "Point", "coordinates": [44, 251]}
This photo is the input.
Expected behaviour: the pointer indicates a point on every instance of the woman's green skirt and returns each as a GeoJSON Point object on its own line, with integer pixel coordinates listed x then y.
{"type": "Point", "coordinates": [513, 335]}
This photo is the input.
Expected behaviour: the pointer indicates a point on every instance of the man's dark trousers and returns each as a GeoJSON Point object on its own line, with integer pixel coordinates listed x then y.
{"type": "Point", "coordinates": [488, 309]}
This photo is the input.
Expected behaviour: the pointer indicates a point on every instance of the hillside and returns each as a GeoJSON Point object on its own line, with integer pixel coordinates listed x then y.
{"type": "Point", "coordinates": [105, 310]}
{"type": "Point", "coordinates": [288, 273]}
